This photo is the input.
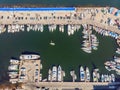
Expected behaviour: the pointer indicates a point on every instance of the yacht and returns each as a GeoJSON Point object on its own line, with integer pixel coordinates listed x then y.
{"type": "Point", "coordinates": [14, 61]}
{"type": "Point", "coordinates": [102, 78]}
{"type": "Point", "coordinates": [59, 74]}
{"type": "Point", "coordinates": [87, 74]}
{"type": "Point", "coordinates": [54, 73]}
{"type": "Point", "coordinates": [28, 28]}
{"type": "Point", "coordinates": [41, 28]}
{"type": "Point", "coordinates": [82, 74]}
{"type": "Point", "coordinates": [108, 68]}
{"type": "Point", "coordinates": [85, 36]}
{"type": "Point", "coordinates": [29, 56]}
{"type": "Point", "coordinates": [112, 77]}
{"type": "Point", "coordinates": [13, 67]}
{"type": "Point", "coordinates": [94, 47]}
{"type": "Point", "coordinates": [62, 28]}
{"type": "Point", "coordinates": [118, 51]}
{"type": "Point", "coordinates": [49, 75]}
{"type": "Point", "coordinates": [95, 79]}
{"type": "Point", "coordinates": [87, 50]}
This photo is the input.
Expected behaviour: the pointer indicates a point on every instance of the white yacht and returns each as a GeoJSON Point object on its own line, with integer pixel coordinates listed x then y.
{"type": "Point", "coordinates": [112, 77]}
{"type": "Point", "coordinates": [82, 74]}
{"type": "Point", "coordinates": [49, 75]}
{"type": "Point", "coordinates": [54, 73]}
{"type": "Point", "coordinates": [87, 74]}
{"type": "Point", "coordinates": [102, 78]}
{"type": "Point", "coordinates": [14, 61]}
{"type": "Point", "coordinates": [95, 79]}
{"type": "Point", "coordinates": [13, 67]}
{"type": "Point", "coordinates": [118, 51]}
{"type": "Point", "coordinates": [59, 73]}
{"type": "Point", "coordinates": [29, 56]}
{"type": "Point", "coordinates": [62, 28]}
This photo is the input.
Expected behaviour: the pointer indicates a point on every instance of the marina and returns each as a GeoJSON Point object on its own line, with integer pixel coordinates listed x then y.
{"type": "Point", "coordinates": [55, 74]}
{"type": "Point", "coordinates": [25, 74]}
{"type": "Point", "coordinates": [70, 22]}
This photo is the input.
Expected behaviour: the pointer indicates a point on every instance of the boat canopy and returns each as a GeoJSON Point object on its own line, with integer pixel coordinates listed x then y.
{"type": "Point", "coordinates": [40, 9]}
{"type": "Point", "coordinates": [117, 13]}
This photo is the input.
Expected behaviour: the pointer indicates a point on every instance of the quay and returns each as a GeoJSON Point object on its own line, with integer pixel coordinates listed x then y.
{"type": "Point", "coordinates": [98, 16]}
{"type": "Point", "coordinates": [71, 85]}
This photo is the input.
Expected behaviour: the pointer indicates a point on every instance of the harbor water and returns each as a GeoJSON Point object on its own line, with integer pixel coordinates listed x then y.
{"type": "Point", "coordinates": [67, 51]}
{"type": "Point", "coordinates": [115, 3]}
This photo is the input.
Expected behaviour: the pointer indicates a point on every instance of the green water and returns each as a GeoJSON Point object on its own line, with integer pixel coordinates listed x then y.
{"type": "Point", "coordinates": [67, 51]}
{"type": "Point", "coordinates": [115, 3]}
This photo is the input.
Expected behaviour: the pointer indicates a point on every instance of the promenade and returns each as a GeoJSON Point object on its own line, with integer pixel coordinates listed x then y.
{"type": "Point", "coordinates": [68, 85]}
{"type": "Point", "coordinates": [93, 16]}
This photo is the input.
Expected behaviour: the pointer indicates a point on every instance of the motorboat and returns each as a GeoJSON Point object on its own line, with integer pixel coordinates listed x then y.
{"type": "Point", "coordinates": [54, 73]}
{"type": "Point", "coordinates": [29, 56]}
{"type": "Point", "coordinates": [59, 73]}
{"type": "Point", "coordinates": [102, 78]}
{"type": "Point", "coordinates": [112, 77]}
{"type": "Point", "coordinates": [82, 74]}
{"type": "Point", "coordinates": [108, 68]}
{"type": "Point", "coordinates": [13, 67]}
{"type": "Point", "coordinates": [14, 61]}
{"type": "Point", "coordinates": [95, 79]}
{"type": "Point", "coordinates": [49, 75]}
{"type": "Point", "coordinates": [87, 74]}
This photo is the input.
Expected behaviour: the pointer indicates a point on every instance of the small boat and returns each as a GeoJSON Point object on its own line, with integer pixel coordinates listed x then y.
{"type": "Point", "coordinates": [54, 73]}
{"type": "Point", "coordinates": [49, 75]}
{"type": "Point", "coordinates": [61, 28]}
{"type": "Point", "coordinates": [13, 67]}
{"type": "Point", "coordinates": [52, 43]}
{"type": "Point", "coordinates": [105, 78]}
{"type": "Point", "coordinates": [40, 79]}
{"type": "Point", "coordinates": [82, 74]}
{"type": "Point", "coordinates": [14, 61]}
{"type": "Point", "coordinates": [94, 47]}
{"type": "Point", "coordinates": [109, 78]}
{"type": "Point", "coordinates": [107, 63]}
{"type": "Point", "coordinates": [86, 48]}
{"type": "Point", "coordinates": [112, 77]}
{"type": "Point", "coordinates": [85, 36]}
{"type": "Point", "coordinates": [94, 44]}
{"type": "Point", "coordinates": [41, 28]}
{"type": "Point", "coordinates": [108, 68]}
{"type": "Point", "coordinates": [59, 73]}
{"type": "Point", "coordinates": [87, 74]}
{"type": "Point", "coordinates": [102, 78]}
{"type": "Point", "coordinates": [95, 79]}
